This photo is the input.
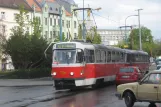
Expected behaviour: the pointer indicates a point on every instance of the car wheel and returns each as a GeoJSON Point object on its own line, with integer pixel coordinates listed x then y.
{"type": "Point", "coordinates": [152, 105]}
{"type": "Point", "coordinates": [129, 99]}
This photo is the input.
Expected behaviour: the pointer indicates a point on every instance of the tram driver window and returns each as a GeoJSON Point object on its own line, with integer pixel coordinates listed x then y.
{"type": "Point", "coordinates": [80, 56]}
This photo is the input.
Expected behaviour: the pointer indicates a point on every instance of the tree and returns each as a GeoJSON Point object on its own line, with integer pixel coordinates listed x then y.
{"type": "Point", "coordinates": [146, 36]}
{"type": "Point", "coordinates": [26, 51]}
{"type": "Point", "coordinates": [93, 36]}
{"type": "Point", "coordinates": [36, 26]}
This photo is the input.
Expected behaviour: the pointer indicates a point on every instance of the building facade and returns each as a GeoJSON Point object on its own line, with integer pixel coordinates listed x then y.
{"type": "Point", "coordinates": [112, 36]}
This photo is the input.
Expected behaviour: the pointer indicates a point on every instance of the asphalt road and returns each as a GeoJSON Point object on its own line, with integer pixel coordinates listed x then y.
{"type": "Point", "coordinates": [46, 96]}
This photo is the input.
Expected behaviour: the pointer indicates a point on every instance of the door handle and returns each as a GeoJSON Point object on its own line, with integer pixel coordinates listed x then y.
{"type": "Point", "coordinates": [155, 86]}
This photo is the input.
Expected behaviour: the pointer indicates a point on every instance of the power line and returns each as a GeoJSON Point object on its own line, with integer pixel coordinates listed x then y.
{"type": "Point", "coordinates": [106, 18]}
{"type": "Point", "coordinates": [94, 19]}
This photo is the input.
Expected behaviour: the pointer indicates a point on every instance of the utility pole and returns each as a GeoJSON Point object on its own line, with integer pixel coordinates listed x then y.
{"type": "Point", "coordinates": [139, 28]}
{"type": "Point", "coordinates": [60, 22]}
{"type": "Point", "coordinates": [83, 23]}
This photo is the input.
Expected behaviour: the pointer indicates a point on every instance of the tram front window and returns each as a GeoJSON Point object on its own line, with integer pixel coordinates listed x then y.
{"type": "Point", "coordinates": [68, 56]}
{"type": "Point", "coordinates": [64, 56]}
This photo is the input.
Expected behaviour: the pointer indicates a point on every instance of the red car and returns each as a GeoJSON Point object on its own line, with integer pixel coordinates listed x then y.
{"type": "Point", "coordinates": [128, 74]}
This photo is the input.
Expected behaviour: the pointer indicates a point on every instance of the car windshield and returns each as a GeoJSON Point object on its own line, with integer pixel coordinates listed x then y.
{"type": "Point", "coordinates": [68, 56]}
{"type": "Point", "coordinates": [158, 67]}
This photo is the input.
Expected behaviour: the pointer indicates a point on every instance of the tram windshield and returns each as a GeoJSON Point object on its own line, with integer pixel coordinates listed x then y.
{"type": "Point", "coordinates": [68, 56]}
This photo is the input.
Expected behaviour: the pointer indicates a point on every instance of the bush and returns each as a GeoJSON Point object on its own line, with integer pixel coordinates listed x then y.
{"type": "Point", "coordinates": [28, 73]}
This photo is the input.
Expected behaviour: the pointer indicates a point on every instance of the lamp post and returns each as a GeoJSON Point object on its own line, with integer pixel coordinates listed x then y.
{"type": "Point", "coordinates": [125, 25]}
{"type": "Point", "coordinates": [83, 23]}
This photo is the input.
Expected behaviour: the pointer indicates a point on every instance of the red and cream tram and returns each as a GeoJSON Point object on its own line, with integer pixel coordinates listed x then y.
{"type": "Point", "coordinates": [77, 64]}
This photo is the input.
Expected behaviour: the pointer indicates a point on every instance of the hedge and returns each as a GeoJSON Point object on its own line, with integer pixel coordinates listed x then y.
{"type": "Point", "coordinates": [27, 73]}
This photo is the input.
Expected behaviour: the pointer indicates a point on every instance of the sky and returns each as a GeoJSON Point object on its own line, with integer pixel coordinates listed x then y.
{"type": "Point", "coordinates": [114, 13]}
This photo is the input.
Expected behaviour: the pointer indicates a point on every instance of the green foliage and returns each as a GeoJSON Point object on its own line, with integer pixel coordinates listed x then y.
{"type": "Point", "coordinates": [21, 18]}
{"type": "Point", "coordinates": [64, 39]}
{"type": "Point", "coordinates": [27, 73]}
{"type": "Point", "coordinates": [146, 36]}
{"type": "Point", "coordinates": [93, 36]}
{"type": "Point", "coordinates": [80, 31]}
{"type": "Point", "coordinates": [36, 26]}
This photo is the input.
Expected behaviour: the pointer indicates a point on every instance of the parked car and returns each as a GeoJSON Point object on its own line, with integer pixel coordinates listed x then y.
{"type": "Point", "coordinates": [128, 74]}
{"type": "Point", "coordinates": [158, 67]}
{"type": "Point", "coordinates": [146, 90]}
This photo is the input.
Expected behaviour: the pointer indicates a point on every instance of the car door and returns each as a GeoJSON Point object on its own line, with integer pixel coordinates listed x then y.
{"type": "Point", "coordinates": [148, 88]}
{"type": "Point", "coordinates": [159, 90]}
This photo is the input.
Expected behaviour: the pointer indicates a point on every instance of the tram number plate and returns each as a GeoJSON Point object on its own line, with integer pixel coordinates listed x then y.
{"type": "Point", "coordinates": [125, 76]}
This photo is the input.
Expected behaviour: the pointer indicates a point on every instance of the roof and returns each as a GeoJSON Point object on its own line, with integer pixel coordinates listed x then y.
{"type": "Point", "coordinates": [33, 3]}
{"type": "Point", "coordinates": [53, 7]}
{"type": "Point", "coordinates": [15, 4]}
{"type": "Point", "coordinates": [67, 13]}
{"type": "Point", "coordinates": [65, 4]}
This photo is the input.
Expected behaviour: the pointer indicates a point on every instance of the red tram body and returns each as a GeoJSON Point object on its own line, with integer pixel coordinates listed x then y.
{"type": "Point", "coordinates": [79, 64]}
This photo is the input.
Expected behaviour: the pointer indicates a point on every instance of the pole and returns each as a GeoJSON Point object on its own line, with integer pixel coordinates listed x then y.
{"type": "Point", "coordinates": [60, 23]}
{"type": "Point", "coordinates": [83, 22]}
{"type": "Point", "coordinates": [126, 26]}
{"type": "Point", "coordinates": [139, 28]}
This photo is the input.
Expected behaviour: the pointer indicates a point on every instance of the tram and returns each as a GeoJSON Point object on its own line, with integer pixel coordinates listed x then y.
{"type": "Point", "coordinates": [80, 64]}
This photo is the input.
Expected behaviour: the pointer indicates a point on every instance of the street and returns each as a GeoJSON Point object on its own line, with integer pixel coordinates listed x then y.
{"type": "Point", "coordinates": [46, 96]}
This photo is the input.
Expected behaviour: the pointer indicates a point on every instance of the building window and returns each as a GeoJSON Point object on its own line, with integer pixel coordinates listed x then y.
{"type": "Point", "coordinates": [2, 15]}
{"type": "Point", "coordinates": [63, 23]}
{"type": "Point", "coordinates": [27, 30]}
{"type": "Point", "coordinates": [58, 21]}
{"type": "Point", "coordinates": [46, 33]}
{"type": "Point", "coordinates": [54, 21]}
{"type": "Point", "coordinates": [51, 8]}
{"type": "Point", "coordinates": [75, 24]}
{"type": "Point", "coordinates": [15, 15]}
{"type": "Point", "coordinates": [69, 24]}
{"type": "Point", "coordinates": [46, 21]}
{"type": "Point", "coordinates": [75, 35]}
{"type": "Point", "coordinates": [27, 17]}
{"type": "Point", "coordinates": [50, 21]}
{"type": "Point", "coordinates": [50, 34]}
{"type": "Point", "coordinates": [67, 36]}
{"type": "Point", "coordinates": [45, 9]}
{"type": "Point", "coordinates": [54, 34]}
{"type": "Point", "coordinates": [56, 9]}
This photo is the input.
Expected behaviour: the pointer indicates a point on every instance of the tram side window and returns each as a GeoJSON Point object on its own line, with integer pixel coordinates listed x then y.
{"type": "Point", "coordinates": [89, 56]}
{"type": "Point", "coordinates": [103, 58]}
{"type": "Point", "coordinates": [122, 57]}
{"type": "Point", "coordinates": [128, 57]}
{"type": "Point", "coordinates": [98, 56]}
{"type": "Point", "coordinates": [113, 56]}
{"type": "Point", "coordinates": [108, 56]}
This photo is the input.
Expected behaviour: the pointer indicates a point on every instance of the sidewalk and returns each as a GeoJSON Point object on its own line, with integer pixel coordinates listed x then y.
{"type": "Point", "coordinates": [26, 82]}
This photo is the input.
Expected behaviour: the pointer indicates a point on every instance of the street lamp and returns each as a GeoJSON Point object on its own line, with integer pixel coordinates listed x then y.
{"type": "Point", "coordinates": [125, 25]}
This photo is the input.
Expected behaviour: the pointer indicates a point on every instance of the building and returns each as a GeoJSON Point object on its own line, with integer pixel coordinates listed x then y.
{"type": "Point", "coordinates": [112, 36]}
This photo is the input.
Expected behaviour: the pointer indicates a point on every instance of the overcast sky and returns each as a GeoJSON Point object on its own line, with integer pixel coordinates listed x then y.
{"type": "Point", "coordinates": [118, 10]}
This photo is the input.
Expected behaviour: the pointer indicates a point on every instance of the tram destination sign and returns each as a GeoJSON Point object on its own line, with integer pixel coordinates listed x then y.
{"type": "Point", "coordinates": [66, 46]}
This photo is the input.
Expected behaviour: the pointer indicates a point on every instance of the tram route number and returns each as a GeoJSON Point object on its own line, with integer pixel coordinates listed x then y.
{"type": "Point", "coordinates": [66, 46]}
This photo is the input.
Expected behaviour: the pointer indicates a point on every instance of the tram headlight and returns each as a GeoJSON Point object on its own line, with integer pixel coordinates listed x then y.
{"type": "Point", "coordinates": [54, 73]}
{"type": "Point", "coordinates": [82, 72]}
{"type": "Point", "coordinates": [71, 73]}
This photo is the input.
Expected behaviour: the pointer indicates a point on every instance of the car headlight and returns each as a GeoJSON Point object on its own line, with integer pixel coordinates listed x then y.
{"type": "Point", "coordinates": [71, 73]}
